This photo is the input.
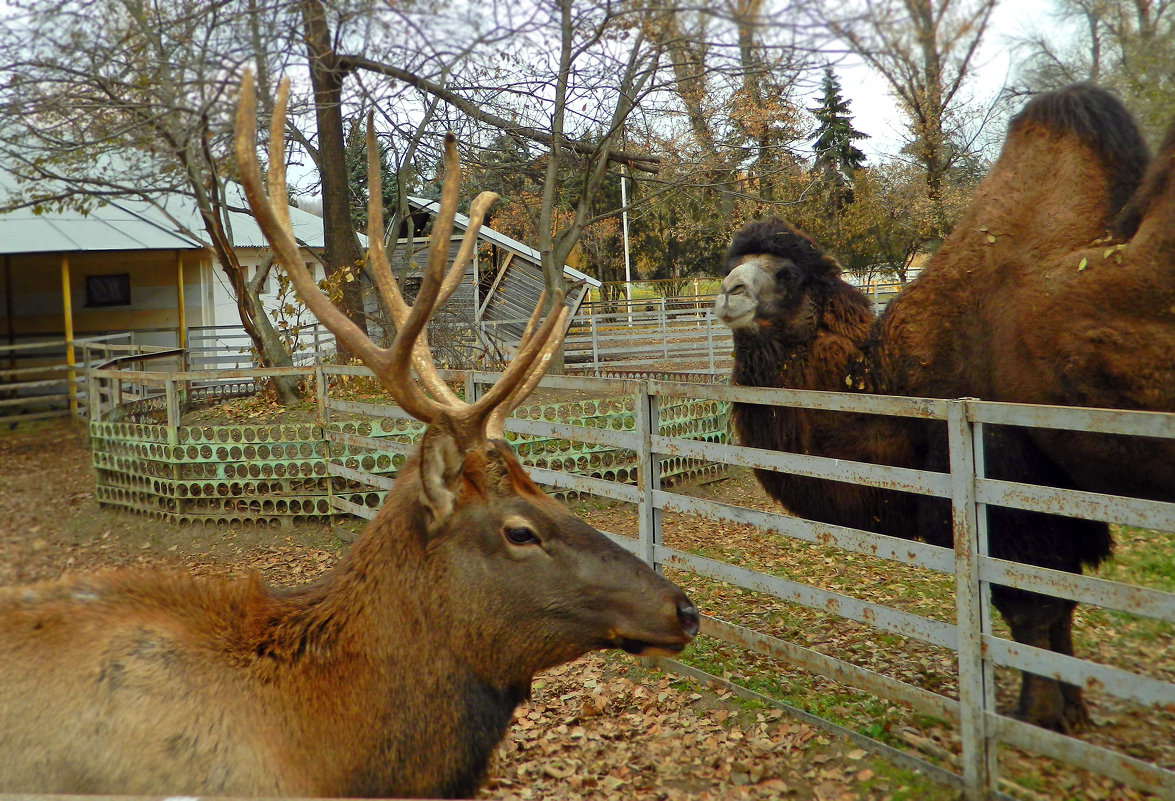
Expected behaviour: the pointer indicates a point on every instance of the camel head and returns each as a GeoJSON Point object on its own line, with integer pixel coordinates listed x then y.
{"type": "Point", "coordinates": [774, 277]}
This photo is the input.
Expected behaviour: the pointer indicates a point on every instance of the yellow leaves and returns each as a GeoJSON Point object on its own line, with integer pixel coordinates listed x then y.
{"type": "Point", "coordinates": [1082, 264]}
{"type": "Point", "coordinates": [1115, 251]}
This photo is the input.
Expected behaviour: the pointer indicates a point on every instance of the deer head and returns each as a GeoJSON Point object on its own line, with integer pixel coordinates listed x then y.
{"type": "Point", "coordinates": [530, 562]}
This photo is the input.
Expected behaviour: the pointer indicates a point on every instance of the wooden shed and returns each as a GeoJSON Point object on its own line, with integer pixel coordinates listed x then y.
{"type": "Point", "coordinates": [483, 321]}
{"type": "Point", "coordinates": [122, 266]}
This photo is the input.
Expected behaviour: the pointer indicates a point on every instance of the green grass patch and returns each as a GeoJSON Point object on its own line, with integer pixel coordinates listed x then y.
{"type": "Point", "coordinates": [908, 785]}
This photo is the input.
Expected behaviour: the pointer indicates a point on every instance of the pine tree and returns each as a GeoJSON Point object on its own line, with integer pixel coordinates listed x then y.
{"type": "Point", "coordinates": [356, 157]}
{"type": "Point", "coordinates": [837, 158]}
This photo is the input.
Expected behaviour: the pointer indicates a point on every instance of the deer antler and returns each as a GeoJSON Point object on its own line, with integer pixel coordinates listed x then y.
{"type": "Point", "coordinates": [410, 346]}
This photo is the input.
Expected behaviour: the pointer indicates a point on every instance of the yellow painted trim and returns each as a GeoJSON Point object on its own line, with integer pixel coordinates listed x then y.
{"type": "Point", "coordinates": [67, 300]}
{"type": "Point", "coordinates": [181, 333]}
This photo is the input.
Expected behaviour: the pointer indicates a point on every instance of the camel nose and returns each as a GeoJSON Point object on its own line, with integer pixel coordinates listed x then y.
{"type": "Point", "coordinates": [687, 616]}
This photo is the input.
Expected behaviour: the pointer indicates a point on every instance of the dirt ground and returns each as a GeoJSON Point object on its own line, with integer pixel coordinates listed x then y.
{"type": "Point", "coordinates": [604, 726]}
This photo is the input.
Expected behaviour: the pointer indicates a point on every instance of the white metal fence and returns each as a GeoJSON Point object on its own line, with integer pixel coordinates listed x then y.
{"type": "Point", "coordinates": [973, 714]}
{"type": "Point", "coordinates": [45, 378]}
{"type": "Point", "coordinates": [679, 334]}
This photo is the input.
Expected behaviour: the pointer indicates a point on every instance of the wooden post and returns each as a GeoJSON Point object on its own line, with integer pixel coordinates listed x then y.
{"type": "Point", "coordinates": [172, 401]}
{"type": "Point", "coordinates": [92, 412]}
{"type": "Point", "coordinates": [8, 310]}
{"type": "Point", "coordinates": [648, 475]}
{"type": "Point", "coordinates": [67, 301]}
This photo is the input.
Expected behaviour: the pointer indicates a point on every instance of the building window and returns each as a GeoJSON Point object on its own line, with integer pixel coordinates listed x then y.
{"type": "Point", "coordinates": [108, 290]}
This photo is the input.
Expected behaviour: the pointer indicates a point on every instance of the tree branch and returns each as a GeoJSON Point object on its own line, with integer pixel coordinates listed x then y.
{"type": "Point", "coordinates": [636, 161]}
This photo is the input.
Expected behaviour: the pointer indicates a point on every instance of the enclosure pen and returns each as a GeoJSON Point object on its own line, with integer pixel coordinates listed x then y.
{"type": "Point", "coordinates": [653, 431]}
{"type": "Point", "coordinates": [973, 714]}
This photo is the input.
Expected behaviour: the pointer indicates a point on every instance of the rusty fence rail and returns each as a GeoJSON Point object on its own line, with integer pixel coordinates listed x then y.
{"type": "Point", "coordinates": [980, 727]}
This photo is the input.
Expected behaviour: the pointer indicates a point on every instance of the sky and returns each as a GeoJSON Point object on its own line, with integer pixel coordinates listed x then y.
{"type": "Point", "coordinates": [874, 109]}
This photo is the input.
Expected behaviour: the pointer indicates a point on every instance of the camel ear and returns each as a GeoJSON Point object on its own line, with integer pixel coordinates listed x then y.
{"type": "Point", "coordinates": [441, 463]}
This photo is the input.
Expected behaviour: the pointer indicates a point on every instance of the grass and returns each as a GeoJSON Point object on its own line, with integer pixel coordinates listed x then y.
{"type": "Point", "coordinates": [1142, 557]}
{"type": "Point", "coordinates": [1133, 643]}
{"type": "Point", "coordinates": [910, 786]}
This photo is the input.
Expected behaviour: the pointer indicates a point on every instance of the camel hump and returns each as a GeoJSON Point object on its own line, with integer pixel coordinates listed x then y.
{"type": "Point", "coordinates": [1101, 122]}
{"type": "Point", "coordinates": [1149, 197]}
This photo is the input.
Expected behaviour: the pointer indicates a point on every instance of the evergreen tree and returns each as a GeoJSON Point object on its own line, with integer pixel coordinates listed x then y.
{"type": "Point", "coordinates": [837, 158]}
{"type": "Point", "coordinates": [356, 156]}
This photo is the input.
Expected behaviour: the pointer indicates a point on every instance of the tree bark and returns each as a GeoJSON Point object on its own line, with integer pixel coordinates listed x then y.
{"type": "Point", "coordinates": [271, 351]}
{"type": "Point", "coordinates": [341, 249]}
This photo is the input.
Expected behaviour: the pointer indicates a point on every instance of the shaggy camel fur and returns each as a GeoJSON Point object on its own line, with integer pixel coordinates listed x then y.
{"type": "Point", "coordinates": [1017, 319]}
{"type": "Point", "coordinates": [1069, 305]}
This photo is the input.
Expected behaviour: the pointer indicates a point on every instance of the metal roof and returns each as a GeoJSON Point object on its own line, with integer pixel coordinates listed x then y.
{"type": "Point", "coordinates": [171, 223]}
{"type": "Point", "coordinates": [489, 234]}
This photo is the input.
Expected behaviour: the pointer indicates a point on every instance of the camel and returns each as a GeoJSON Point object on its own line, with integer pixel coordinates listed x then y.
{"type": "Point", "coordinates": [1046, 293]}
{"type": "Point", "coordinates": [1006, 310]}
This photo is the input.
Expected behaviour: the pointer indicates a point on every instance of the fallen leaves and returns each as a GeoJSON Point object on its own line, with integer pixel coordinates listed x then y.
{"type": "Point", "coordinates": [603, 727]}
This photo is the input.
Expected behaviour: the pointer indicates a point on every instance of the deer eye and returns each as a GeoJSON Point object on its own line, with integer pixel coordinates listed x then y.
{"type": "Point", "coordinates": [520, 535]}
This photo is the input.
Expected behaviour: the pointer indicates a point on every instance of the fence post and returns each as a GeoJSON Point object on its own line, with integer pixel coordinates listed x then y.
{"type": "Point", "coordinates": [89, 379]}
{"type": "Point", "coordinates": [977, 779]}
{"type": "Point", "coordinates": [595, 346]}
{"type": "Point", "coordinates": [320, 394]}
{"type": "Point", "coordinates": [710, 339]}
{"type": "Point", "coordinates": [648, 478]}
{"type": "Point", "coordinates": [171, 397]}
{"type": "Point", "coordinates": [471, 392]}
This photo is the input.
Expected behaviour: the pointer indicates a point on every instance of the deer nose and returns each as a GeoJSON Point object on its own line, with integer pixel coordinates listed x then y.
{"type": "Point", "coordinates": [687, 616]}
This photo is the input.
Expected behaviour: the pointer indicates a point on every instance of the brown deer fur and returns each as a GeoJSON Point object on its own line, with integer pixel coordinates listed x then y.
{"type": "Point", "coordinates": [1017, 305]}
{"type": "Point", "coordinates": [396, 674]}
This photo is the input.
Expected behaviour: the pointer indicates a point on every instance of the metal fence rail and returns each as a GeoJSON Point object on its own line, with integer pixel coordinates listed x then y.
{"type": "Point", "coordinates": [45, 378]}
{"type": "Point", "coordinates": [678, 333]}
{"type": "Point", "coordinates": [978, 650]}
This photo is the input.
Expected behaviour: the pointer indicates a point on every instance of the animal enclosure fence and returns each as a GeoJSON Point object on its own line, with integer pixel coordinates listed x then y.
{"type": "Point", "coordinates": [342, 462]}
{"type": "Point", "coordinates": [653, 423]}
{"type": "Point", "coordinates": [45, 377]}
{"type": "Point", "coordinates": [971, 636]}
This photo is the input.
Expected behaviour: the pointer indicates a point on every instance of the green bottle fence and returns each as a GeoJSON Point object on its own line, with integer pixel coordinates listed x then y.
{"type": "Point", "coordinates": [272, 475]}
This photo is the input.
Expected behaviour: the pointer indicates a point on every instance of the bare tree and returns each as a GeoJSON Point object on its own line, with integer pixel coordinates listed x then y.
{"type": "Point", "coordinates": [925, 50]}
{"type": "Point", "coordinates": [1127, 45]}
{"type": "Point", "coordinates": [327, 74]}
{"type": "Point", "coordinates": [103, 99]}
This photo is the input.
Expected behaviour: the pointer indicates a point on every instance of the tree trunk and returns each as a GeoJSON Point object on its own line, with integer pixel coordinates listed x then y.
{"type": "Point", "coordinates": [271, 350]}
{"type": "Point", "coordinates": [341, 249]}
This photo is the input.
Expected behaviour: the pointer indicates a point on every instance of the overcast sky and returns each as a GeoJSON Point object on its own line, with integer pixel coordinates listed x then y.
{"type": "Point", "coordinates": [874, 110]}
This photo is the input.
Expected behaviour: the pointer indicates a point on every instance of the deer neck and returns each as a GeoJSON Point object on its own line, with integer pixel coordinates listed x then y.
{"type": "Point", "coordinates": [395, 649]}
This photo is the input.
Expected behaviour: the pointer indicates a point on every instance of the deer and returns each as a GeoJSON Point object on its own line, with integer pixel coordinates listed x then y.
{"type": "Point", "coordinates": [397, 672]}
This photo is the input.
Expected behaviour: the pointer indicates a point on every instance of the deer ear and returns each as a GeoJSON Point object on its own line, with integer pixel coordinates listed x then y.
{"type": "Point", "coordinates": [441, 463]}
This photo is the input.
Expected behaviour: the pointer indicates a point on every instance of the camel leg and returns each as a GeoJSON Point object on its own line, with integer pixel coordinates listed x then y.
{"type": "Point", "coordinates": [1075, 715]}
{"type": "Point", "coordinates": [1035, 620]}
